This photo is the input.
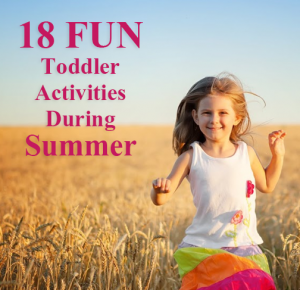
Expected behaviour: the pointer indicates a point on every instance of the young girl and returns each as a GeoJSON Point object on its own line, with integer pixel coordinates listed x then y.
{"type": "Point", "coordinates": [220, 249]}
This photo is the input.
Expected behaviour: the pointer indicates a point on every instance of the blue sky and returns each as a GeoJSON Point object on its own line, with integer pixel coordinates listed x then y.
{"type": "Point", "coordinates": [181, 42]}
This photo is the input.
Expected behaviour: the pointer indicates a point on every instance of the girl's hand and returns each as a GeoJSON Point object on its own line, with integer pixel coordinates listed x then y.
{"type": "Point", "coordinates": [276, 143]}
{"type": "Point", "coordinates": [161, 185]}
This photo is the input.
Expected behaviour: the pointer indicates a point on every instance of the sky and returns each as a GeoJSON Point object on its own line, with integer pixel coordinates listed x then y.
{"type": "Point", "coordinates": [181, 42]}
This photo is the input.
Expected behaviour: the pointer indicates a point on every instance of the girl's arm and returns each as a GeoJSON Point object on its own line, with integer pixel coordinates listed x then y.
{"type": "Point", "coordinates": [266, 179]}
{"type": "Point", "coordinates": [163, 188]}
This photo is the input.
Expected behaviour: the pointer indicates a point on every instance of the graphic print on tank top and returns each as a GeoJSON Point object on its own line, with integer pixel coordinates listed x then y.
{"type": "Point", "coordinates": [238, 217]}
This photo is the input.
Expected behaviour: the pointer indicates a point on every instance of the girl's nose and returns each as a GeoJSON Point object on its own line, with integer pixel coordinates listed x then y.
{"type": "Point", "coordinates": [214, 118]}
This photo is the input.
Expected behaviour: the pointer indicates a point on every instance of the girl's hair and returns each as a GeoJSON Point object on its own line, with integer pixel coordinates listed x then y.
{"type": "Point", "coordinates": [186, 131]}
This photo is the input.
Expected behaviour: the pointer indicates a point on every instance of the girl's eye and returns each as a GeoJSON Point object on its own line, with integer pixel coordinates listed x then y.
{"type": "Point", "coordinates": [209, 112]}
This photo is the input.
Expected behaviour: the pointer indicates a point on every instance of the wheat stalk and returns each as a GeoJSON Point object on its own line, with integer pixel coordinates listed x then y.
{"type": "Point", "coordinates": [15, 233]}
{"type": "Point", "coordinates": [147, 282]}
{"type": "Point", "coordinates": [43, 226]}
{"type": "Point", "coordinates": [82, 216]}
{"type": "Point", "coordinates": [121, 240]}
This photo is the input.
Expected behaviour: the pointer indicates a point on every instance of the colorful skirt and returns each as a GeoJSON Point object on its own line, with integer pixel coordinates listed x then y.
{"type": "Point", "coordinates": [234, 268]}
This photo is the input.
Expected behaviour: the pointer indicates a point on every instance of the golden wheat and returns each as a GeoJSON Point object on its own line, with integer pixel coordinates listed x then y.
{"type": "Point", "coordinates": [51, 239]}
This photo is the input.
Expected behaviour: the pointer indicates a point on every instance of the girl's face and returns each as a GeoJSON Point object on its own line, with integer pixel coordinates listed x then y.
{"type": "Point", "coordinates": [216, 117]}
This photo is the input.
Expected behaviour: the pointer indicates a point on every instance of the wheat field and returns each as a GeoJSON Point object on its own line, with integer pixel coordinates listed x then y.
{"type": "Point", "coordinates": [87, 222]}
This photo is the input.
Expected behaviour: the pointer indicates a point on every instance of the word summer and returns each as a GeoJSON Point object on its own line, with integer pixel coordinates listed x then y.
{"type": "Point", "coordinates": [113, 146]}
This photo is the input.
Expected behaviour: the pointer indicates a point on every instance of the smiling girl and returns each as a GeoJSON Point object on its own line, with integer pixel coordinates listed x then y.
{"type": "Point", "coordinates": [220, 249]}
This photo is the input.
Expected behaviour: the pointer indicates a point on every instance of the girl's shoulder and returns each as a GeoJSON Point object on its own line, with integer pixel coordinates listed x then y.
{"type": "Point", "coordinates": [188, 157]}
{"type": "Point", "coordinates": [251, 153]}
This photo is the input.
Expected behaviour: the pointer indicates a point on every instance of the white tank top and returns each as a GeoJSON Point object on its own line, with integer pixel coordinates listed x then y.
{"type": "Point", "coordinates": [221, 189]}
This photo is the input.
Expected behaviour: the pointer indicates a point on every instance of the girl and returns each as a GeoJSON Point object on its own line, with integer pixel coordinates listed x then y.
{"type": "Point", "coordinates": [220, 249]}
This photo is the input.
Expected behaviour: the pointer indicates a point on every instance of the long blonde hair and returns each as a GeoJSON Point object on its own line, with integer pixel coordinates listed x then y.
{"type": "Point", "coordinates": [186, 131]}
